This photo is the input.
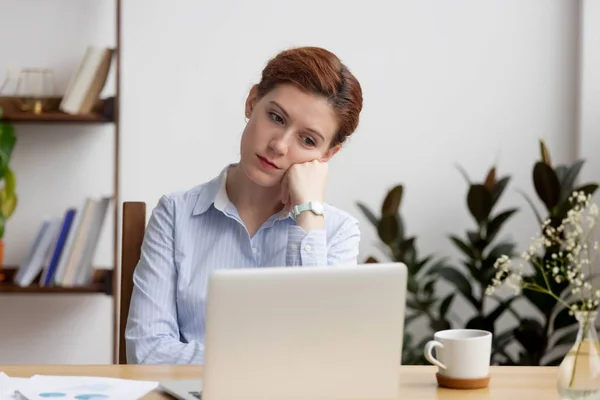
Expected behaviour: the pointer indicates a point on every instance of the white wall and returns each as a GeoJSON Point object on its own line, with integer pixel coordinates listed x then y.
{"type": "Point", "coordinates": [589, 115]}
{"type": "Point", "coordinates": [468, 82]}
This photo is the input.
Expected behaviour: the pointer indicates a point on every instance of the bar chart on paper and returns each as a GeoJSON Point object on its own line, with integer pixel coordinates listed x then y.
{"type": "Point", "coordinates": [43, 387]}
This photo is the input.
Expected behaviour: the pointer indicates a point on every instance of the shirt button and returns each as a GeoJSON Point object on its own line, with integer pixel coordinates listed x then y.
{"type": "Point", "coordinates": [307, 247]}
{"type": "Point", "coordinates": [254, 250]}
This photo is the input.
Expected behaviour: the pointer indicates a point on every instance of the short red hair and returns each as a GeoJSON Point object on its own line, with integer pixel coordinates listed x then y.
{"type": "Point", "coordinates": [320, 72]}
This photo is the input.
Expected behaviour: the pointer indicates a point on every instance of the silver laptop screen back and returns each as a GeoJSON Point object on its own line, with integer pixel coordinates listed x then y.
{"type": "Point", "coordinates": [305, 333]}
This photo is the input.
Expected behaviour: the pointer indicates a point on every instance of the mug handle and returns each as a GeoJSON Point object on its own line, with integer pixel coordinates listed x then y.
{"type": "Point", "coordinates": [429, 356]}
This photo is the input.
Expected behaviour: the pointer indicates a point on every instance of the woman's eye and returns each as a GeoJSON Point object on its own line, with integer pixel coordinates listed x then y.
{"type": "Point", "coordinates": [309, 142]}
{"type": "Point", "coordinates": [276, 118]}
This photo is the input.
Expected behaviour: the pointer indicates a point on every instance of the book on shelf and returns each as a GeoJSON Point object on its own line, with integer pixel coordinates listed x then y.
{"type": "Point", "coordinates": [64, 247]}
{"type": "Point", "coordinates": [87, 82]}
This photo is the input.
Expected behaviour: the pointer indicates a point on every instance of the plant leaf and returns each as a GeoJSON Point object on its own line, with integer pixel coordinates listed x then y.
{"type": "Point", "coordinates": [555, 361]}
{"type": "Point", "coordinates": [8, 203]}
{"type": "Point", "coordinates": [568, 338]}
{"type": "Point", "coordinates": [535, 211]}
{"type": "Point", "coordinates": [545, 154]}
{"type": "Point", "coordinates": [439, 325]}
{"type": "Point", "coordinates": [567, 183]}
{"type": "Point", "coordinates": [480, 322]}
{"type": "Point", "coordinates": [7, 144]}
{"type": "Point", "coordinates": [419, 305]}
{"type": "Point", "coordinates": [587, 189]}
{"type": "Point", "coordinates": [561, 172]}
{"type": "Point", "coordinates": [544, 303]}
{"type": "Point", "coordinates": [462, 246]}
{"type": "Point", "coordinates": [10, 182]}
{"type": "Point", "coordinates": [412, 285]}
{"type": "Point", "coordinates": [408, 245]}
{"type": "Point", "coordinates": [410, 318]}
{"type": "Point", "coordinates": [502, 339]}
{"type": "Point", "coordinates": [435, 268]}
{"type": "Point", "coordinates": [368, 213]}
{"type": "Point", "coordinates": [391, 204]}
{"type": "Point", "coordinates": [499, 189]}
{"type": "Point", "coordinates": [530, 333]}
{"type": "Point", "coordinates": [428, 288]}
{"type": "Point", "coordinates": [463, 173]}
{"type": "Point", "coordinates": [490, 179]}
{"type": "Point", "coordinates": [473, 237]}
{"type": "Point", "coordinates": [388, 228]}
{"type": "Point", "coordinates": [445, 305]}
{"type": "Point", "coordinates": [563, 319]}
{"type": "Point", "coordinates": [400, 235]}
{"type": "Point", "coordinates": [546, 185]}
{"type": "Point", "coordinates": [501, 249]}
{"type": "Point", "coordinates": [461, 282]}
{"type": "Point", "coordinates": [479, 201]}
{"type": "Point", "coordinates": [564, 207]}
{"type": "Point", "coordinates": [500, 309]}
{"type": "Point", "coordinates": [8, 198]}
{"type": "Point", "coordinates": [475, 272]}
{"type": "Point", "coordinates": [496, 223]}
{"type": "Point", "coordinates": [419, 265]}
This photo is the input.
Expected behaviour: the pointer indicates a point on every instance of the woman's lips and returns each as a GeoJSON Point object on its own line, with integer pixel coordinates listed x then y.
{"type": "Point", "coordinates": [266, 163]}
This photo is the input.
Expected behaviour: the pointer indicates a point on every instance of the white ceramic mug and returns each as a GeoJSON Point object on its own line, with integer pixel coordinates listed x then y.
{"type": "Point", "coordinates": [461, 353]}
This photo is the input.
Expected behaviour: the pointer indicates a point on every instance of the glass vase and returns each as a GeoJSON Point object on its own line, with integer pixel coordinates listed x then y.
{"type": "Point", "coordinates": [579, 372]}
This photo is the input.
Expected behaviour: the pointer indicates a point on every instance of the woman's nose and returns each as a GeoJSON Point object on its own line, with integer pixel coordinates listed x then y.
{"type": "Point", "coordinates": [279, 144]}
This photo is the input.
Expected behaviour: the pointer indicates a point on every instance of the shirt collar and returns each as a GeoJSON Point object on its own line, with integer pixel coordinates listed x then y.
{"type": "Point", "coordinates": [216, 194]}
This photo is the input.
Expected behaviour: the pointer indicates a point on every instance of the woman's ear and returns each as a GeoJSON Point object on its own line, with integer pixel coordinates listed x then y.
{"type": "Point", "coordinates": [330, 153]}
{"type": "Point", "coordinates": [251, 100]}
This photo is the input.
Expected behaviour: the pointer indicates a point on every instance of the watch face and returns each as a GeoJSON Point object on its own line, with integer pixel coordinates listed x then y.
{"type": "Point", "coordinates": [317, 208]}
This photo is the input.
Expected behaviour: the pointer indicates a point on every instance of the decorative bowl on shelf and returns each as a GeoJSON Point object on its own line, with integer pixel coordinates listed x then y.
{"type": "Point", "coordinates": [34, 90]}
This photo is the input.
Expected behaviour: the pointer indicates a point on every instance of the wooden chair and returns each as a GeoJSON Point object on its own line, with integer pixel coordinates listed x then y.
{"type": "Point", "coordinates": [134, 227]}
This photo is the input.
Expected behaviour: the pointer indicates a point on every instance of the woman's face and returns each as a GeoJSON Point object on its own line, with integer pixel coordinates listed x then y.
{"type": "Point", "coordinates": [287, 126]}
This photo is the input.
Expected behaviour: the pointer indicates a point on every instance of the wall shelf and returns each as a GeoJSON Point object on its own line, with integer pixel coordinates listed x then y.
{"type": "Point", "coordinates": [102, 113]}
{"type": "Point", "coordinates": [102, 284]}
{"type": "Point", "coordinates": [55, 117]}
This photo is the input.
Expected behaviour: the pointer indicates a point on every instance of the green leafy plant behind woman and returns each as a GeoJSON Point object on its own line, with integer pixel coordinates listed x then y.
{"type": "Point", "coordinates": [8, 196]}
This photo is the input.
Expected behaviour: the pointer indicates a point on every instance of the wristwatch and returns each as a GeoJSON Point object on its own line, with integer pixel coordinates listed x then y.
{"type": "Point", "coordinates": [314, 206]}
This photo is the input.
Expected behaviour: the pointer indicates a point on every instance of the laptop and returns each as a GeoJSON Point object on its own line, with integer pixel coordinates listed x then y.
{"type": "Point", "coordinates": [301, 333]}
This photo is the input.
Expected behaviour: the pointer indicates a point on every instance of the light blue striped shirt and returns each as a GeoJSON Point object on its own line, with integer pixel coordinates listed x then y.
{"type": "Point", "coordinates": [192, 233]}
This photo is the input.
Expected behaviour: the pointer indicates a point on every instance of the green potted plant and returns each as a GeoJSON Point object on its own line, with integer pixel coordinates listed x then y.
{"type": "Point", "coordinates": [421, 302]}
{"type": "Point", "coordinates": [8, 197]}
{"type": "Point", "coordinates": [480, 247]}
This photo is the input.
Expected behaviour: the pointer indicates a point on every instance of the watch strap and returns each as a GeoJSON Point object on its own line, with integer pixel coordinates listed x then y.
{"type": "Point", "coordinates": [314, 206]}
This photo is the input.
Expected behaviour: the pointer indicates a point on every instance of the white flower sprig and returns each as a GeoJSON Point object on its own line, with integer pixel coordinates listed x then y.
{"type": "Point", "coordinates": [573, 252]}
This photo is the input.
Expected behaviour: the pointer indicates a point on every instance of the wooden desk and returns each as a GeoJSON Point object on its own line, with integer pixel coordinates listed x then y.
{"type": "Point", "coordinates": [417, 382]}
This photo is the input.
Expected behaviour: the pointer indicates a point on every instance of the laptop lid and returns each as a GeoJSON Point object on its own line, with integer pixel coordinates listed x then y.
{"type": "Point", "coordinates": [305, 332]}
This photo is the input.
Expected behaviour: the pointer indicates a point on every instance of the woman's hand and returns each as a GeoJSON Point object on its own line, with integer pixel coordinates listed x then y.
{"type": "Point", "coordinates": [303, 183]}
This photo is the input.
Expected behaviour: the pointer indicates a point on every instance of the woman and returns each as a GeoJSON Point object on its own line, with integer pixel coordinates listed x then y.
{"type": "Point", "coordinates": [266, 210]}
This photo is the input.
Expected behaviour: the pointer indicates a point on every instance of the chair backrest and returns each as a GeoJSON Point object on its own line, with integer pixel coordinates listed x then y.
{"type": "Point", "coordinates": [134, 227]}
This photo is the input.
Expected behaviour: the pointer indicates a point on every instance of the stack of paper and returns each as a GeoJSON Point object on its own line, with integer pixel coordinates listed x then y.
{"type": "Point", "coordinates": [8, 386]}
{"type": "Point", "coordinates": [43, 387]}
